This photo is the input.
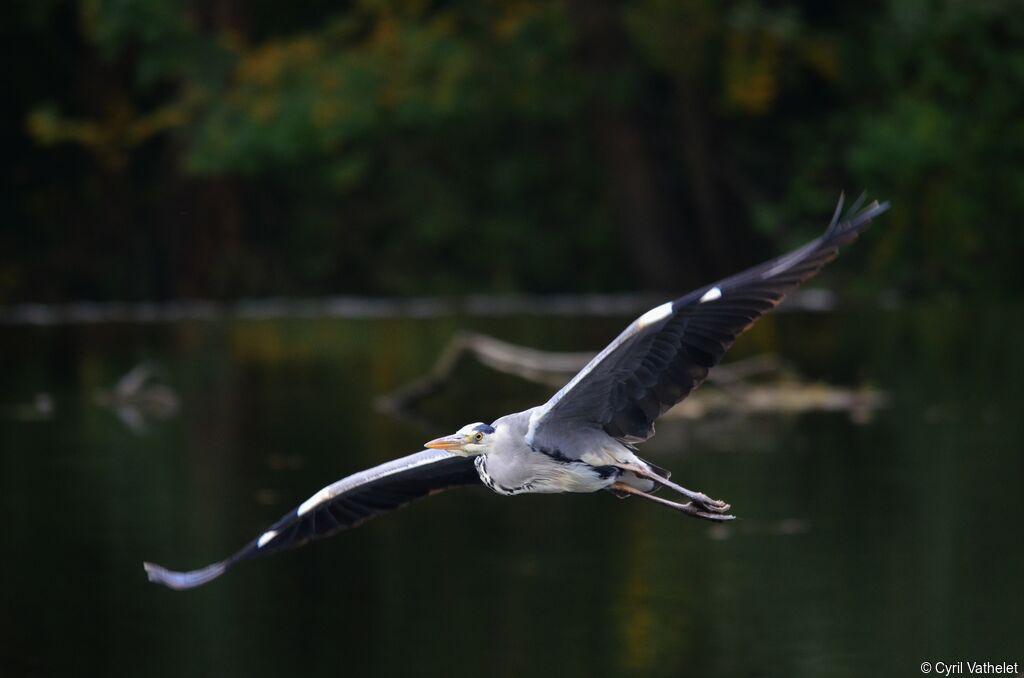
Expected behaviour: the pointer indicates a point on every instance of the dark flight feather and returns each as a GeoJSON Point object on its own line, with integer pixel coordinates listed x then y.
{"type": "Point", "coordinates": [340, 506]}
{"type": "Point", "coordinates": [665, 354]}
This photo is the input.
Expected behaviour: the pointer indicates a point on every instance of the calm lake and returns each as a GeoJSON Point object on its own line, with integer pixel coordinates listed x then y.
{"type": "Point", "coordinates": [861, 548]}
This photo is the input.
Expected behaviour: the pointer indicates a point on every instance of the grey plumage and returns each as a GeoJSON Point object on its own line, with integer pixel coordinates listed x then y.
{"type": "Point", "coordinates": [652, 366]}
{"type": "Point", "coordinates": [583, 438]}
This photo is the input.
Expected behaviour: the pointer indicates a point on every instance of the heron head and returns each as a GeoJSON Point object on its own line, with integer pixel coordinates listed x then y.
{"type": "Point", "coordinates": [469, 440]}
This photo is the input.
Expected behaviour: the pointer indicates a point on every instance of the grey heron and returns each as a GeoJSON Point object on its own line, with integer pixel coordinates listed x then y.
{"type": "Point", "coordinates": [584, 438]}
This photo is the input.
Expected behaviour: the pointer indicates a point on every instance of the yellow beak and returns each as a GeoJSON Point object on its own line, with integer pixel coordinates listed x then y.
{"type": "Point", "coordinates": [452, 442]}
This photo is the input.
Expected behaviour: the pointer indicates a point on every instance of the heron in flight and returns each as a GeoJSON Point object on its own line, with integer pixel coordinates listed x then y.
{"type": "Point", "coordinates": [584, 438]}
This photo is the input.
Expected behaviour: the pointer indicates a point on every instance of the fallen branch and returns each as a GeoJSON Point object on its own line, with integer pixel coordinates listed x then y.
{"type": "Point", "coordinates": [734, 391]}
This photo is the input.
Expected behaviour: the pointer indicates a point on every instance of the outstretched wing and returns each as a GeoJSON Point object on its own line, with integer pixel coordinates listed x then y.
{"type": "Point", "coordinates": [340, 506]}
{"type": "Point", "coordinates": [667, 352]}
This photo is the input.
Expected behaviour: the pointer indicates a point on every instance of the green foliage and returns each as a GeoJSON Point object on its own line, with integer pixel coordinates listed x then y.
{"type": "Point", "coordinates": [396, 147]}
{"type": "Point", "coordinates": [947, 138]}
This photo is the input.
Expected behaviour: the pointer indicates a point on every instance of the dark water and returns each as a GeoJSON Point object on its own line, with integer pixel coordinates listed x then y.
{"type": "Point", "coordinates": [862, 549]}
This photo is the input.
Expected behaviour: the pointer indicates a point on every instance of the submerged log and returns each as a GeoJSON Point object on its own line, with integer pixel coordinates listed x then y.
{"type": "Point", "coordinates": [762, 384]}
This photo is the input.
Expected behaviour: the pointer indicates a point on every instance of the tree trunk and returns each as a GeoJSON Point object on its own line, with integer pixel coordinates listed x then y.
{"type": "Point", "coordinates": [643, 211]}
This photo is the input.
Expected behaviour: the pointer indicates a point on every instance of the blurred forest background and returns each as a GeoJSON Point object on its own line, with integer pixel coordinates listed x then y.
{"type": "Point", "coordinates": [167, 149]}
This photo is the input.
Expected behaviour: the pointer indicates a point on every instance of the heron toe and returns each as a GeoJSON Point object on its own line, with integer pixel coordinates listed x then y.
{"type": "Point", "coordinates": [714, 517]}
{"type": "Point", "coordinates": [710, 505]}
{"type": "Point", "coordinates": [693, 509]}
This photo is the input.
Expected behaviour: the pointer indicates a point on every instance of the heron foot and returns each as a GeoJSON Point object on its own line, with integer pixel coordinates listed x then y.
{"type": "Point", "coordinates": [708, 504]}
{"type": "Point", "coordinates": [701, 501]}
{"type": "Point", "coordinates": [689, 508]}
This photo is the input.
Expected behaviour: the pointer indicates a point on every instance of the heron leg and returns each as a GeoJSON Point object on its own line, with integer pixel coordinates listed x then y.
{"type": "Point", "coordinates": [688, 508]}
{"type": "Point", "coordinates": [705, 502]}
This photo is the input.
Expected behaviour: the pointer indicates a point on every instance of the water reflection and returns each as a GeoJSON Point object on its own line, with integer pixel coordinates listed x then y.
{"type": "Point", "coordinates": [138, 397]}
{"type": "Point", "coordinates": [860, 549]}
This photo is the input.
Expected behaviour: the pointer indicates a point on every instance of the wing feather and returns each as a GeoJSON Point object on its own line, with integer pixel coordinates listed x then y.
{"type": "Point", "coordinates": [667, 352]}
{"type": "Point", "coordinates": [340, 506]}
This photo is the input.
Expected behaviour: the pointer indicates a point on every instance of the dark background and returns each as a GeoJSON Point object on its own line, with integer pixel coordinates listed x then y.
{"type": "Point", "coordinates": [230, 151]}
{"type": "Point", "coordinates": [172, 149]}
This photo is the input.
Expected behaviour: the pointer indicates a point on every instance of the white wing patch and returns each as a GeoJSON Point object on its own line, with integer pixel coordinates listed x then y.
{"type": "Point", "coordinates": [711, 295]}
{"type": "Point", "coordinates": [369, 475]}
{"type": "Point", "coordinates": [314, 501]}
{"type": "Point", "coordinates": [537, 414]}
{"type": "Point", "coordinates": [655, 314]}
{"type": "Point", "coordinates": [266, 537]}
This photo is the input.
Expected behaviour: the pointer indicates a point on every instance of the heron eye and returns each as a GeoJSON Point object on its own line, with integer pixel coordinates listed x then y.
{"type": "Point", "coordinates": [478, 436]}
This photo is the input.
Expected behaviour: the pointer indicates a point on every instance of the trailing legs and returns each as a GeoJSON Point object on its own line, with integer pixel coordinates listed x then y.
{"type": "Point", "coordinates": [703, 502]}
{"type": "Point", "coordinates": [689, 508]}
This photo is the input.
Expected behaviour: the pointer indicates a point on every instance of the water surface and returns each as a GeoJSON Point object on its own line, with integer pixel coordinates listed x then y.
{"type": "Point", "coordinates": [861, 547]}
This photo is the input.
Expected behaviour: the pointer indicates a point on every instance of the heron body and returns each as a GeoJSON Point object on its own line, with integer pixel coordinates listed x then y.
{"type": "Point", "coordinates": [512, 466]}
{"type": "Point", "coordinates": [584, 438]}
